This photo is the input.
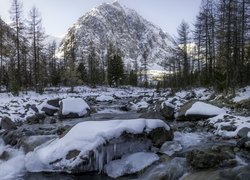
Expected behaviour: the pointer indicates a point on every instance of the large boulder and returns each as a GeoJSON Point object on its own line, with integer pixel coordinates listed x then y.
{"type": "Point", "coordinates": [89, 145]}
{"type": "Point", "coordinates": [73, 108]}
{"type": "Point", "coordinates": [7, 124]}
{"type": "Point", "coordinates": [197, 110]}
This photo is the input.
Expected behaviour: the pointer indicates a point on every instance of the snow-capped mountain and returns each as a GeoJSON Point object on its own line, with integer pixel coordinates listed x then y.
{"type": "Point", "coordinates": [125, 29]}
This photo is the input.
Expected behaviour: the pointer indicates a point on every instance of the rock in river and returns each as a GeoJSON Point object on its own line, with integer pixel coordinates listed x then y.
{"type": "Point", "coordinates": [89, 145]}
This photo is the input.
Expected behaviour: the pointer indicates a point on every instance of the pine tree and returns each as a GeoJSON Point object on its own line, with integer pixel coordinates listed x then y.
{"type": "Point", "coordinates": [183, 42]}
{"type": "Point", "coordinates": [115, 67]}
{"type": "Point", "coordinates": [93, 70]}
{"type": "Point", "coordinates": [145, 66]}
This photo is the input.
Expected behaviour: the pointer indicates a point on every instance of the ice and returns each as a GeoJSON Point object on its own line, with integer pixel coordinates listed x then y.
{"type": "Point", "coordinates": [130, 164]}
{"type": "Point", "coordinates": [170, 147]}
{"type": "Point", "coordinates": [74, 105]}
{"type": "Point", "coordinates": [201, 108]}
{"type": "Point", "coordinates": [189, 139]}
{"type": "Point", "coordinates": [84, 137]}
{"type": "Point", "coordinates": [12, 165]}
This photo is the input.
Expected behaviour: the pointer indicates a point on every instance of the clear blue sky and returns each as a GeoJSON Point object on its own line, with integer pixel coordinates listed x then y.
{"type": "Point", "coordinates": [59, 15]}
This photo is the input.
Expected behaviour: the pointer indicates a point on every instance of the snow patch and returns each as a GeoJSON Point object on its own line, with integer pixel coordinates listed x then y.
{"type": "Point", "coordinates": [104, 98]}
{"type": "Point", "coordinates": [242, 94]}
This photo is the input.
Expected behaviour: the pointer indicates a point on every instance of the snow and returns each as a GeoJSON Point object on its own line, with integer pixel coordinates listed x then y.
{"type": "Point", "coordinates": [74, 105]}
{"type": "Point", "coordinates": [130, 164]}
{"type": "Point", "coordinates": [140, 105]}
{"type": "Point", "coordinates": [242, 94]}
{"type": "Point", "coordinates": [168, 104]}
{"type": "Point", "coordinates": [14, 165]}
{"type": "Point", "coordinates": [203, 93]}
{"type": "Point", "coordinates": [228, 120]}
{"type": "Point", "coordinates": [103, 98]}
{"type": "Point", "coordinates": [201, 108]}
{"type": "Point", "coordinates": [84, 137]}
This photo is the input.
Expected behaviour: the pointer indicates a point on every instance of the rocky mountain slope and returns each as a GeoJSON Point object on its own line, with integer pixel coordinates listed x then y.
{"type": "Point", "coordinates": [125, 29]}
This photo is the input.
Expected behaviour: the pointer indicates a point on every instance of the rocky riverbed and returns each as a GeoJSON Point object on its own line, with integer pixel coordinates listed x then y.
{"type": "Point", "coordinates": [125, 133]}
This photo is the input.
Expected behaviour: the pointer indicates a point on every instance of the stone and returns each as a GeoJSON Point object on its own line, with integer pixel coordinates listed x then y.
{"type": "Point", "coordinates": [54, 102]}
{"type": "Point", "coordinates": [242, 133]}
{"type": "Point", "coordinates": [72, 154]}
{"type": "Point", "coordinates": [12, 137]}
{"type": "Point", "coordinates": [36, 119]}
{"type": "Point", "coordinates": [5, 156]}
{"type": "Point", "coordinates": [229, 128]}
{"type": "Point", "coordinates": [7, 124]}
{"type": "Point", "coordinates": [167, 111]}
{"type": "Point", "coordinates": [49, 111]}
{"type": "Point", "coordinates": [34, 108]}
{"type": "Point", "coordinates": [183, 109]}
{"type": "Point", "coordinates": [204, 159]}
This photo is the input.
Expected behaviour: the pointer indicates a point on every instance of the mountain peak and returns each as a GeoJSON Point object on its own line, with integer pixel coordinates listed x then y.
{"type": "Point", "coordinates": [116, 3]}
{"type": "Point", "coordinates": [124, 28]}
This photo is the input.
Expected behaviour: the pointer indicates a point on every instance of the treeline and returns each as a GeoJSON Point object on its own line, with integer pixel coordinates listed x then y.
{"type": "Point", "coordinates": [217, 52]}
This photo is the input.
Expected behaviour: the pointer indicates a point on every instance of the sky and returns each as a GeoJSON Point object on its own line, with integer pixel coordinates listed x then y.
{"type": "Point", "coordinates": [59, 15]}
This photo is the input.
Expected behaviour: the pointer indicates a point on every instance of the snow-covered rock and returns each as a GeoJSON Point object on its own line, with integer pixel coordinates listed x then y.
{"type": "Point", "coordinates": [73, 108]}
{"type": "Point", "coordinates": [130, 164]}
{"type": "Point", "coordinates": [196, 110]}
{"type": "Point", "coordinates": [104, 98]}
{"type": "Point", "coordinates": [88, 146]}
{"type": "Point", "coordinates": [201, 108]}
